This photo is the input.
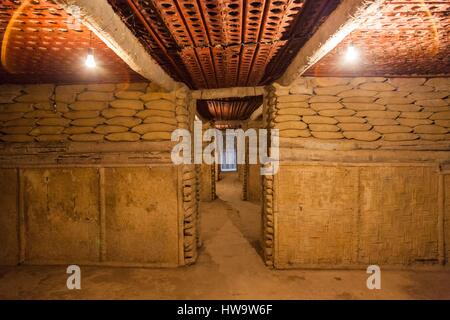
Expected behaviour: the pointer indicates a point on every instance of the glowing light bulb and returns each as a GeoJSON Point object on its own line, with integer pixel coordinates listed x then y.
{"type": "Point", "coordinates": [351, 54]}
{"type": "Point", "coordinates": [90, 60]}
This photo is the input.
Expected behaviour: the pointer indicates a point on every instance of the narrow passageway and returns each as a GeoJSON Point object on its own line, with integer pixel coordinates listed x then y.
{"type": "Point", "coordinates": [229, 267]}
{"type": "Point", "coordinates": [231, 232]}
{"type": "Point", "coordinates": [245, 215]}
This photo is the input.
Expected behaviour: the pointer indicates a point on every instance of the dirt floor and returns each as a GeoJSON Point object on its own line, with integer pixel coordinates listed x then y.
{"type": "Point", "coordinates": [229, 267]}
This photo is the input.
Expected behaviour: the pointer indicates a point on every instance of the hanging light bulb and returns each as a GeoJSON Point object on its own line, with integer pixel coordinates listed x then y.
{"type": "Point", "coordinates": [351, 54]}
{"type": "Point", "coordinates": [90, 60]}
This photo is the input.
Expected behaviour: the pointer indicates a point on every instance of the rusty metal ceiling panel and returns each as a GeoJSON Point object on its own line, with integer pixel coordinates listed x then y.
{"type": "Point", "coordinates": [213, 44]}
{"type": "Point", "coordinates": [228, 109]}
{"type": "Point", "coordinates": [405, 38]}
{"type": "Point", "coordinates": [42, 43]}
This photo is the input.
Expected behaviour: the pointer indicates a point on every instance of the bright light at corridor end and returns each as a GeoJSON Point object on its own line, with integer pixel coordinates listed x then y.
{"type": "Point", "coordinates": [90, 61]}
{"type": "Point", "coordinates": [352, 54]}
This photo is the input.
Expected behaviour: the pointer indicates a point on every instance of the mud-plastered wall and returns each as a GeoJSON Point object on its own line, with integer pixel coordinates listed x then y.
{"type": "Point", "coordinates": [364, 173]}
{"type": "Point", "coordinates": [87, 176]}
{"type": "Point", "coordinates": [208, 183]}
{"type": "Point", "coordinates": [207, 174]}
{"type": "Point", "coordinates": [252, 179]}
{"type": "Point", "coordinates": [254, 183]}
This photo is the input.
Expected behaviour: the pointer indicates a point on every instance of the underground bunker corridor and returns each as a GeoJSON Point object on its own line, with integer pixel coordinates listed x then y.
{"type": "Point", "coordinates": [229, 266]}
{"type": "Point", "coordinates": [114, 116]}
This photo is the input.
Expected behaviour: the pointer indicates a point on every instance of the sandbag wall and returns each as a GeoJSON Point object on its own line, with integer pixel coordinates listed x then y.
{"type": "Point", "coordinates": [364, 175]}
{"type": "Point", "coordinates": [87, 176]}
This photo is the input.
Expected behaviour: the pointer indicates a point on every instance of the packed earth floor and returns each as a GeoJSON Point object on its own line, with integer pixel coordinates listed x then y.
{"type": "Point", "coordinates": [229, 267]}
